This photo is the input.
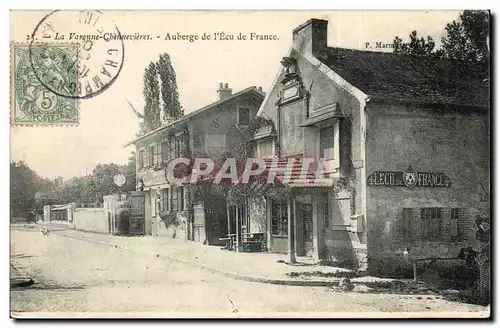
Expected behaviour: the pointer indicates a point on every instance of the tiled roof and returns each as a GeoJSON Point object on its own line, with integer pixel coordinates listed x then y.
{"type": "Point", "coordinates": [413, 79]}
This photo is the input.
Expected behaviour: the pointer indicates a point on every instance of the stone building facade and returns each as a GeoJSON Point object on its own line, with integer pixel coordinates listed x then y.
{"type": "Point", "coordinates": [410, 137]}
{"type": "Point", "coordinates": [204, 133]}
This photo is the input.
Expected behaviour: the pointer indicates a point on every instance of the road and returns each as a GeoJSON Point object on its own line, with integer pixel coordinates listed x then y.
{"type": "Point", "coordinates": [73, 275]}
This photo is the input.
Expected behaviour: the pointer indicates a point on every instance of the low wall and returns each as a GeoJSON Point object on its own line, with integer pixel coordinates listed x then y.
{"type": "Point", "coordinates": [91, 220]}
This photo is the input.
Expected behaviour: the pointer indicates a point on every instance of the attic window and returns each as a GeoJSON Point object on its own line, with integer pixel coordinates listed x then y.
{"type": "Point", "coordinates": [244, 116]}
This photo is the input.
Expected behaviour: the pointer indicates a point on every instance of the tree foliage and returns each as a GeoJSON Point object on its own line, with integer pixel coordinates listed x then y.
{"type": "Point", "coordinates": [151, 93]}
{"type": "Point", "coordinates": [168, 86]}
{"type": "Point", "coordinates": [24, 184]}
{"type": "Point", "coordinates": [29, 191]}
{"type": "Point", "coordinates": [160, 93]}
{"type": "Point", "coordinates": [465, 39]}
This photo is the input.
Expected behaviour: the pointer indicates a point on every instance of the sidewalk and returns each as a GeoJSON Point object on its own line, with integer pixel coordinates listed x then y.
{"type": "Point", "coordinates": [256, 267]}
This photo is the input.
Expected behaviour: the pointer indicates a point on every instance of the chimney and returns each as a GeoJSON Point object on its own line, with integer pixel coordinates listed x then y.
{"type": "Point", "coordinates": [223, 92]}
{"type": "Point", "coordinates": [311, 38]}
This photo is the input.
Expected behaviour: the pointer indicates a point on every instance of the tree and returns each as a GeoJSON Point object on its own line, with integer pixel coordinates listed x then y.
{"type": "Point", "coordinates": [151, 93]}
{"type": "Point", "coordinates": [416, 46]}
{"type": "Point", "coordinates": [168, 87]}
{"type": "Point", "coordinates": [24, 183]}
{"type": "Point", "coordinates": [128, 171]}
{"type": "Point", "coordinates": [466, 39]}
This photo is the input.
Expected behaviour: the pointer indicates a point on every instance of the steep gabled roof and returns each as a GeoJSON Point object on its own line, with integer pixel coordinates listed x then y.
{"type": "Point", "coordinates": [413, 79]}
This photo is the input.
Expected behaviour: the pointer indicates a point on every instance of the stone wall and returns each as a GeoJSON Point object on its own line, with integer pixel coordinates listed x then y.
{"type": "Point", "coordinates": [91, 220]}
{"type": "Point", "coordinates": [449, 142]}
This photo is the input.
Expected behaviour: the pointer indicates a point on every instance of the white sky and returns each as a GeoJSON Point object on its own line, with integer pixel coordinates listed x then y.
{"type": "Point", "coordinates": [107, 122]}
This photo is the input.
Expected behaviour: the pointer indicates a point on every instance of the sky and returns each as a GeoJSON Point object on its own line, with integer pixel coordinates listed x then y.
{"type": "Point", "coordinates": [107, 123]}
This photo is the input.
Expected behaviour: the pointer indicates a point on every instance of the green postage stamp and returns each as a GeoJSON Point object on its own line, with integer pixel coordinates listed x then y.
{"type": "Point", "coordinates": [44, 83]}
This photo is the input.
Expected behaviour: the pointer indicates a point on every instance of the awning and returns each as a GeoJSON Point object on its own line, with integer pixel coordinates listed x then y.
{"type": "Point", "coordinates": [322, 114]}
{"type": "Point", "coordinates": [264, 132]}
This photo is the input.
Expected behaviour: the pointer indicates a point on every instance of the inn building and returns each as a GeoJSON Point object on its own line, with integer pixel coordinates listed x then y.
{"type": "Point", "coordinates": [405, 140]}
{"type": "Point", "coordinates": [204, 133]}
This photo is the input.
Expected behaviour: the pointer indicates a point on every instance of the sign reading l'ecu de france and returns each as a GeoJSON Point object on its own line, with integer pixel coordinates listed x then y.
{"type": "Point", "coordinates": [409, 179]}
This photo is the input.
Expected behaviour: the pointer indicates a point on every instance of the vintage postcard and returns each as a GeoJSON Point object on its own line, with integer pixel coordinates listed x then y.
{"type": "Point", "coordinates": [250, 164]}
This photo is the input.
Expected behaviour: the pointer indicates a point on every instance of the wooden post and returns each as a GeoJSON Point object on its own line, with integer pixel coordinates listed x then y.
{"type": "Point", "coordinates": [414, 264]}
{"type": "Point", "coordinates": [295, 232]}
{"type": "Point", "coordinates": [291, 231]}
{"type": "Point", "coordinates": [228, 218]}
{"type": "Point", "coordinates": [237, 228]}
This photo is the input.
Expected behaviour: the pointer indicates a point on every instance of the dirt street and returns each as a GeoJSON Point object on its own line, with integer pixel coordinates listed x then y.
{"type": "Point", "coordinates": [79, 276]}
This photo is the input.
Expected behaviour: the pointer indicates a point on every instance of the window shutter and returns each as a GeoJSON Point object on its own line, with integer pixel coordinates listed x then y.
{"type": "Point", "coordinates": [159, 158]}
{"type": "Point", "coordinates": [164, 145]}
{"type": "Point", "coordinates": [179, 198]}
{"type": "Point", "coordinates": [464, 226]}
{"type": "Point", "coordinates": [345, 146]}
{"type": "Point", "coordinates": [446, 228]}
{"type": "Point", "coordinates": [172, 147]}
{"type": "Point", "coordinates": [146, 157]}
{"type": "Point", "coordinates": [174, 198]}
{"type": "Point", "coordinates": [407, 233]}
{"type": "Point", "coordinates": [416, 226]}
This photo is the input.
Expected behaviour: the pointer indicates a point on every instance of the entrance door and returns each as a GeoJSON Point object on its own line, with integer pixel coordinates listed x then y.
{"type": "Point", "coordinates": [137, 213]}
{"type": "Point", "coordinates": [307, 219]}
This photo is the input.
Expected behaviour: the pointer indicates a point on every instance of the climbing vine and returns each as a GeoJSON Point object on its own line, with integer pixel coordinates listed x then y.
{"type": "Point", "coordinates": [170, 219]}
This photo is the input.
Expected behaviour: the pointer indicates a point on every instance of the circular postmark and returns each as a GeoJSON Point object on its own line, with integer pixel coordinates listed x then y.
{"type": "Point", "coordinates": [76, 54]}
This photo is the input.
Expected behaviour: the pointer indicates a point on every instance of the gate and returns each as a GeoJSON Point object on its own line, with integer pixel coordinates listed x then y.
{"type": "Point", "coordinates": [137, 214]}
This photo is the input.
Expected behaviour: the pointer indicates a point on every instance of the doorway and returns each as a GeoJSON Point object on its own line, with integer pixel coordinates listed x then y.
{"type": "Point", "coordinates": [307, 220]}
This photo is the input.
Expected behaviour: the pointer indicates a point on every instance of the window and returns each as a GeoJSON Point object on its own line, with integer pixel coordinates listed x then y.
{"type": "Point", "coordinates": [409, 233]}
{"type": "Point", "coordinates": [172, 148]}
{"type": "Point", "coordinates": [244, 116]}
{"type": "Point", "coordinates": [279, 218]}
{"type": "Point", "coordinates": [165, 204]}
{"type": "Point", "coordinates": [178, 147]}
{"type": "Point", "coordinates": [214, 144]}
{"type": "Point", "coordinates": [141, 158]}
{"type": "Point", "coordinates": [165, 149]}
{"type": "Point", "coordinates": [459, 224]}
{"type": "Point", "coordinates": [265, 148]}
{"type": "Point", "coordinates": [180, 199]}
{"type": "Point", "coordinates": [328, 147]}
{"type": "Point", "coordinates": [327, 142]}
{"type": "Point", "coordinates": [152, 155]}
{"type": "Point", "coordinates": [158, 154]}
{"type": "Point", "coordinates": [174, 199]}
{"type": "Point", "coordinates": [431, 223]}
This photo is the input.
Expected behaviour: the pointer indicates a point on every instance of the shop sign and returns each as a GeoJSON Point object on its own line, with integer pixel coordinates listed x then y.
{"type": "Point", "coordinates": [152, 177]}
{"type": "Point", "coordinates": [409, 179]}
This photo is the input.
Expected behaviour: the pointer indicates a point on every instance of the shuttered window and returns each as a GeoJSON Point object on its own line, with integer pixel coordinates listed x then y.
{"type": "Point", "coordinates": [165, 199]}
{"type": "Point", "coordinates": [174, 199]}
{"type": "Point", "coordinates": [152, 155]}
{"type": "Point", "coordinates": [434, 224]}
{"type": "Point", "coordinates": [431, 223]}
{"type": "Point", "coordinates": [165, 150]}
{"type": "Point", "coordinates": [141, 158]}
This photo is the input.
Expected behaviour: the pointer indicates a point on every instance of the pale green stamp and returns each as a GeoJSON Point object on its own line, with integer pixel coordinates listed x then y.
{"type": "Point", "coordinates": [44, 83]}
